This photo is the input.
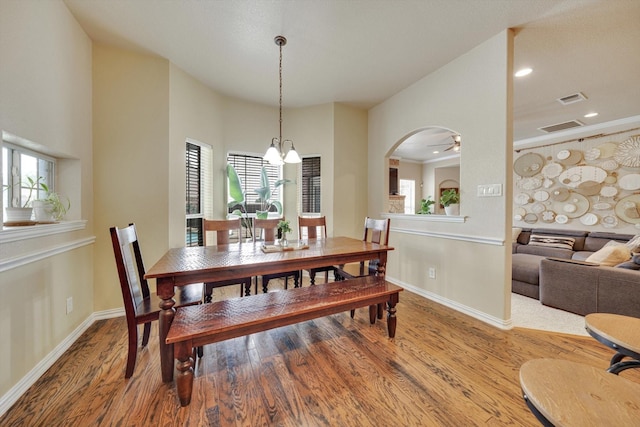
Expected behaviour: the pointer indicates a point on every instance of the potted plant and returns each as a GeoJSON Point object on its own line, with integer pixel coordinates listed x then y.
{"type": "Point", "coordinates": [22, 214]}
{"type": "Point", "coordinates": [450, 199]}
{"type": "Point", "coordinates": [264, 195]}
{"type": "Point", "coordinates": [52, 208]}
{"type": "Point", "coordinates": [283, 229]}
{"type": "Point", "coordinates": [425, 206]}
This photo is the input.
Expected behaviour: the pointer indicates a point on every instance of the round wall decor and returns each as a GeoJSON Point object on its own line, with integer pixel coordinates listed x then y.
{"type": "Point", "coordinates": [628, 209]}
{"type": "Point", "coordinates": [573, 158]}
{"type": "Point", "coordinates": [592, 154]}
{"type": "Point", "coordinates": [628, 152]}
{"type": "Point", "coordinates": [589, 219]}
{"type": "Point", "coordinates": [560, 194]}
{"type": "Point", "coordinates": [562, 219]}
{"type": "Point", "coordinates": [552, 170]}
{"type": "Point", "coordinates": [575, 176]}
{"type": "Point", "coordinates": [630, 182]}
{"type": "Point", "coordinates": [607, 149]}
{"type": "Point", "coordinates": [528, 164]}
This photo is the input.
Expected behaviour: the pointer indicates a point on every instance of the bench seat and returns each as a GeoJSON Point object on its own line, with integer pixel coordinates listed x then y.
{"type": "Point", "coordinates": [222, 320]}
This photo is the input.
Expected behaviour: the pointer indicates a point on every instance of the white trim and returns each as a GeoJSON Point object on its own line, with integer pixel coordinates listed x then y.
{"type": "Point", "coordinates": [496, 241]}
{"type": "Point", "coordinates": [8, 264]}
{"type": "Point", "coordinates": [426, 218]}
{"type": "Point", "coordinates": [493, 321]}
{"type": "Point", "coordinates": [13, 234]}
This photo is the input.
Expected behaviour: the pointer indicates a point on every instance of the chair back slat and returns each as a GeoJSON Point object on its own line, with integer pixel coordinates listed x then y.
{"type": "Point", "coordinates": [312, 227]}
{"type": "Point", "coordinates": [130, 267]}
{"type": "Point", "coordinates": [265, 229]}
{"type": "Point", "coordinates": [376, 230]}
{"type": "Point", "coordinates": [222, 228]}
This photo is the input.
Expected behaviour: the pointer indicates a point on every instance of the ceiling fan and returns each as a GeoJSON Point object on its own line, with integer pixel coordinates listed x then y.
{"type": "Point", "coordinates": [455, 146]}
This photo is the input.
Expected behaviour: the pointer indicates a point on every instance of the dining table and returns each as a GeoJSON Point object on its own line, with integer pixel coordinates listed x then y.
{"type": "Point", "coordinates": [187, 265]}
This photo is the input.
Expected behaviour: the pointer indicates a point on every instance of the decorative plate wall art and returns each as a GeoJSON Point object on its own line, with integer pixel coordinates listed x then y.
{"type": "Point", "coordinates": [589, 188]}
{"type": "Point", "coordinates": [569, 157]}
{"type": "Point", "coordinates": [628, 209]}
{"type": "Point", "coordinates": [574, 207]}
{"type": "Point", "coordinates": [628, 152]}
{"type": "Point", "coordinates": [589, 219]}
{"type": "Point", "coordinates": [630, 182]}
{"type": "Point", "coordinates": [609, 221]}
{"type": "Point", "coordinates": [577, 175]}
{"type": "Point", "coordinates": [592, 154]}
{"type": "Point", "coordinates": [607, 149]}
{"type": "Point", "coordinates": [529, 164]}
{"type": "Point", "coordinates": [552, 170]}
{"type": "Point", "coordinates": [530, 183]}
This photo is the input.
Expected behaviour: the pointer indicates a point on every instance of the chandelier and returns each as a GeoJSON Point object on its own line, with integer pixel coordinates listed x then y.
{"type": "Point", "coordinates": [275, 155]}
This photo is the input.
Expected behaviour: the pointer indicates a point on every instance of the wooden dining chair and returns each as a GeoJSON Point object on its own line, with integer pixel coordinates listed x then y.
{"type": "Point", "coordinates": [222, 229]}
{"type": "Point", "coordinates": [141, 306]}
{"type": "Point", "coordinates": [315, 228]}
{"type": "Point", "coordinates": [375, 231]}
{"type": "Point", "coordinates": [265, 230]}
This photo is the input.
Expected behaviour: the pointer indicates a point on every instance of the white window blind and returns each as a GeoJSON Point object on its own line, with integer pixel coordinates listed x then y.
{"type": "Point", "coordinates": [249, 170]}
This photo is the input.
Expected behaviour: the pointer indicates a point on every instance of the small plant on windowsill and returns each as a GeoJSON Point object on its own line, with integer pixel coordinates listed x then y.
{"type": "Point", "coordinates": [450, 199]}
{"type": "Point", "coordinates": [283, 229]}
{"type": "Point", "coordinates": [425, 206]}
{"type": "Point", "coordinates": [52, 208]}
{"type": "Point", "coordinates": [21, 214]}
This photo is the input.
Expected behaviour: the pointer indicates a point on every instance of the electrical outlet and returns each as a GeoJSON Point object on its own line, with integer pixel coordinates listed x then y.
{"type": "Point", "coordinates": [69, 305]}
{"type": "Point", "coordinates": [432, 273]}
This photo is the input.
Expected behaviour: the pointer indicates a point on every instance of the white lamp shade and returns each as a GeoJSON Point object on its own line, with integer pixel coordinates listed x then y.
{"type": "Point", "coordinates": [292, 157]}
{"type": "Point", "coordinates": [273, 156]}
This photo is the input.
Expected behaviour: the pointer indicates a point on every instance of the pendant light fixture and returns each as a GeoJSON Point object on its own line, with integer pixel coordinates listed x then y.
{"type": "Point", "coordinates": [275, 155]}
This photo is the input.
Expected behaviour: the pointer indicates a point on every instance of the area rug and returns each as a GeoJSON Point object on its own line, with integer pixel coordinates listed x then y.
{"type": "Point", "coordinates": [530, 313]}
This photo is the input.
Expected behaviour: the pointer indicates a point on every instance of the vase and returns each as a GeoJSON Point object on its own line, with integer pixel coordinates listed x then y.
{"type": "Point", "coordinates": [283, 241]}
{"type": "Point", "coordinates": [452, 210]}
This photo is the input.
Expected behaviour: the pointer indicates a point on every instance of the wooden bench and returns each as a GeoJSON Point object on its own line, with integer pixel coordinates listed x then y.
{"type": "Point", "coordinates": [222, 320]}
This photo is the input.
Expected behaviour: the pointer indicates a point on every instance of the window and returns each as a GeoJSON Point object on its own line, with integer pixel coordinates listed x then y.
{"type": "Point", "coordinates": [408, 189]}
{"type": "Point", "coordinates": [199, 182]}
{"type": "Point", "coordinates": [18, 166]}
{"type": "Point", "coordinates": [249, 170]}
{"type": "Point", "coordinates": [310, 185]}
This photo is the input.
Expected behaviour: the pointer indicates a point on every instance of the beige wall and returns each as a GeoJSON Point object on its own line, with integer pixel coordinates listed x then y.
{"type": "Point", "coordinates": [483, 78]}
{"type": "Point", "coordinates": [350, 171]}
{"type": "Point", "coordinates": [131, 150]}
{"type": "Point", "coordinates": [413, 171]}
{"type": "Point", "coordinates": [45, 87]}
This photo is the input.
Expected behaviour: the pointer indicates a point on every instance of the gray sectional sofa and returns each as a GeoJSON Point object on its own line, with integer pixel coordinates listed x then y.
{"type": "Point", "coordinates": [559, 277]}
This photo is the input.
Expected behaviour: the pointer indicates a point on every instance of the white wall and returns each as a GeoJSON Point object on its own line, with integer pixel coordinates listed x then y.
{"type": "Point", "coordinates": [45, 87]}
{"type": "Point", "coordinates": [482, 78]}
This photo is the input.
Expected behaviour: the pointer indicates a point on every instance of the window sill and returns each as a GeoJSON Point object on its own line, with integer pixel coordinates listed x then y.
{"type": "Point", "coordinates": [13, 234]}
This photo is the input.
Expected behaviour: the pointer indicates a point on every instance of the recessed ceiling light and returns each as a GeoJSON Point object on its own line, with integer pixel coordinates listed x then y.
{"type": "Point", "coordinates": [591, 115]}
{"type": "Point", "coordinates": [523, 72]}
{"type": "Point", "coordinates": [436, 152]}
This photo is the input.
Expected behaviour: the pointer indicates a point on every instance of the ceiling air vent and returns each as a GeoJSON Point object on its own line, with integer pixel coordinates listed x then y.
{"type": "Point", "coordinates": [571, 99]}
{"type": "Point", "coordinates": [562, 126]}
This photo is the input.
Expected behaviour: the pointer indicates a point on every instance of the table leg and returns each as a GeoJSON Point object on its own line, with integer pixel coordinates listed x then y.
{"type": "Point", "coordinates": [381, 270]}
{"type": "Point", "coordinates": [391, 316]}
{"type": "Point", "coordinates": [166, 292]}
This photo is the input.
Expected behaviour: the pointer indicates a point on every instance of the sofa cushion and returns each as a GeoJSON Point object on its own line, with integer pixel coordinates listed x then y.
{"type": "Point", "coordinates": [597, 239]}
{"type": "Point", "coordinates": [559, 242]}
{"type": "Point", "coordinates": [634, 244]}
{"type": "Point", "coordinates": [611, 254]}
{"type": "Point", "coordinates": [515, 232]}
{"type": "Point", "coordinates": [629, 265]}
{"type": "Point", "coordinates": [544, 251]}
{"type": "Point", "coordinates": [525, 268]}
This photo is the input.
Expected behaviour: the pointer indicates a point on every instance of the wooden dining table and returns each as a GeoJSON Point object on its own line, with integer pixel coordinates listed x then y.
{"type": "Point", "coordinates": [183, 266]}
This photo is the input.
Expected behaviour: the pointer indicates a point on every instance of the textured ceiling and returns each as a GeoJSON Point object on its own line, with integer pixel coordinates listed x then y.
{"type": "Point", "coordinates": [361, 52]}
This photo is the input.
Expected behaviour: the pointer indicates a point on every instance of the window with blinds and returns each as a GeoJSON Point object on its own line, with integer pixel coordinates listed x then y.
{"type": "Point", "coordinates": [310, 185]}
{"type": "Point", "coordinates": [249, 170]}
{"type": "Point", "coordinates": [194, 212]}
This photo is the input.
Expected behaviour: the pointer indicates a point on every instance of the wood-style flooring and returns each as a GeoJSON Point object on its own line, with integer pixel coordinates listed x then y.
{"type": "Point", "coordinates": [443, 369]}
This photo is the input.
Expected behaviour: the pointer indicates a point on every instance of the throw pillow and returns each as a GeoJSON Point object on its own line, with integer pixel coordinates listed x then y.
{"type": "Point", "coordinates": [634, 244]}
{"type": "Point", "coordinates": [560, 242]}
{"type": "Point", "coordinates": [610, 255]}
{"type": "Point", "coordinates": [515, 232]}
{"type": "Point", "coordinates": [629, 265]}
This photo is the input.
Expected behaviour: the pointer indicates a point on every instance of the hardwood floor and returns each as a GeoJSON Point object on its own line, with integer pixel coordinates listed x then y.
{"type": "Point", "coordinates": [442, 369]}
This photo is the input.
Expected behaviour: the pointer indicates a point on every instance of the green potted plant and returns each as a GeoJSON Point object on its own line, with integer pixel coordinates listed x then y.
{"type": "Point", "coordinates": [264, 195]}
{"type": "Point", "coordinates": [52, 208]}
{"type": "Point", "coordinates": [425, 206]}
{"type": "Point", "coordinates": [283, 229]}
{"type": "Point", "coordinates": [21, 214]}
{"type": "Point", "coordinates": [450, 199]}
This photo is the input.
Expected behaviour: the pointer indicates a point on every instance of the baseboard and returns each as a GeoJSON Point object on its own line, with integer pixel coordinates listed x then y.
{"type": "Point", "coordinates": [484, 317]}
{"type": "Point", "coordinates": [16, 392]}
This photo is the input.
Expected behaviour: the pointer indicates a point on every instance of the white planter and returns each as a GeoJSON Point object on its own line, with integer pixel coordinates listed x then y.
{"type": "Point", "coordinates": [18, 214]}
{"type": "Point", "coordinates": [42, 211]}
{"type": "Point", "coordinates": [453, 209]}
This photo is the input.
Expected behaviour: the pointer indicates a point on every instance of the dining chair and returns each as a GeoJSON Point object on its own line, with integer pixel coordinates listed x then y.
{"type": "Point", "coordinates": [223, 229]}
{"type": "Point", "coordinates": [141, 306]}
{"type": "Point", "coordinates": [314, 228]}
{"type": "Point", "coordinates": [265, 230]}
{"type": "Point", "coordinates": [375, 231]}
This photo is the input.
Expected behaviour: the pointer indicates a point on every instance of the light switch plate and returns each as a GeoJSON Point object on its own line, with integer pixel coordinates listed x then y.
{"type": "Point", "coordinates": [489, 190]}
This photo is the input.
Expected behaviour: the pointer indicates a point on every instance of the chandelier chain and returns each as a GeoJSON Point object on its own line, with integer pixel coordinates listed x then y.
{"type": "Point", "coordinates": [280, 78]}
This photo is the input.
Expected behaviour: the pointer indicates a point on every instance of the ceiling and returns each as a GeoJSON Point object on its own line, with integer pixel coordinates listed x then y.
{"type": "Point", "coordinates": [361, 52]}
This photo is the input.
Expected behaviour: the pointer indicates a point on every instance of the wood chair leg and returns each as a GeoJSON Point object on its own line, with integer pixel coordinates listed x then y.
{"type": "Point", "coordinates": [132, 351]}
{"type": "Point", "coordinates": [312, 278]}
{"type": "Point", "coordinates": [208, 292]}
{"type": "Point", "coordinates": [145, 334]}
